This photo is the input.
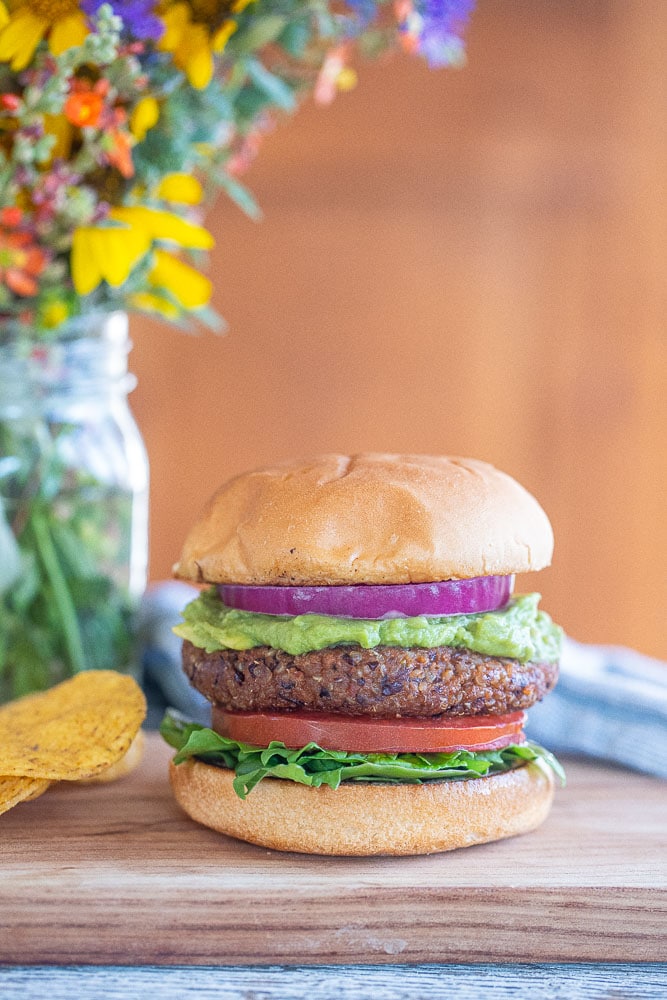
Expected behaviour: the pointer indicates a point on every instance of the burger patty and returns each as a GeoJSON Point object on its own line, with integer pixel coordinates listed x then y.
{"type": "Point", "coordinates": [386, 681]}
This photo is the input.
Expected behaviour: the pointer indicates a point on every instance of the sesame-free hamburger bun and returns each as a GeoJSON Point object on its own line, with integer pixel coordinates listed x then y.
{"type": "Point", "coordinates": [368, 518]}
{"type": "Point", "coordinates": [366, 819]}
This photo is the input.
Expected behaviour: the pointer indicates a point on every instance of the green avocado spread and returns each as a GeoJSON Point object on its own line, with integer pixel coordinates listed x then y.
{"type": "Point", "coordinates": [518, 630]}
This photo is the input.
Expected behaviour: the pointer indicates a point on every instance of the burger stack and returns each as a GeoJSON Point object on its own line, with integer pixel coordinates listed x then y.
{"type": "Point", "coordinates": [368, 664]}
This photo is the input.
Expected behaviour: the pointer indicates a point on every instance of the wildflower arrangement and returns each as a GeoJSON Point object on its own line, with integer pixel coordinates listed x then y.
{"type": "Point", "coordinates": [120, 121]}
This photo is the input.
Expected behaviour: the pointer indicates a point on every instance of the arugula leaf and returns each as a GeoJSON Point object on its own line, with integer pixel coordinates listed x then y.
{"type": "Point", "coordinates": [314, 766]}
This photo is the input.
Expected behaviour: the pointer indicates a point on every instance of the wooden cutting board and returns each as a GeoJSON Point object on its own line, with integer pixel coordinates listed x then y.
{"type": "Point", "coordinates": [115, 874]}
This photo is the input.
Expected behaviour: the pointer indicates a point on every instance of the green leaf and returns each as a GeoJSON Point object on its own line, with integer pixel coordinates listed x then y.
{"type": "Point", "coordinates": [212, 319]}
{"type": "Point", "coordinates": [251, 102]}
{"type": "Point", "coordinates": [258, 33]}
{"type": "Point", "coordinates": [10, 554]}
{"type": "Point", "coordinates": [295, 38]}
{"type": "Point", "coordinates": [240, 196]}
{"type": "Point", "coordinates": [61, 593]}
{"type": "Point", "coordinates": [27, 587]}
{"type": "Point", "coordinates": [75, 558]}
{"type": "Point", "coordinates": [279, 92]}
{"type": "Point", "coordinates": [314, 766]}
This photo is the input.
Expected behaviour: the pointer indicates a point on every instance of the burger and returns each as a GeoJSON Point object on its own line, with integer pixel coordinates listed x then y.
{"type": "Point", "coordinates": [368, 665]}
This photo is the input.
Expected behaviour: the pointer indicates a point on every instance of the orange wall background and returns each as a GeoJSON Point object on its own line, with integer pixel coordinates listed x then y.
{"type": "Point", "coordinates": [467, 262]}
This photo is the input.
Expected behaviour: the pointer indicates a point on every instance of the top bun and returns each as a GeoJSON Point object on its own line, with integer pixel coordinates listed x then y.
{"type": "Point", "coordinates": [367, 518]}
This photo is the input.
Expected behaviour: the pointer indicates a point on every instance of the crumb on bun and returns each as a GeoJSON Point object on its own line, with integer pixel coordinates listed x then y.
{"type": "Point", "coordinates": [367, 518]}
{"type": "Point", "coordinates": [365, 819]}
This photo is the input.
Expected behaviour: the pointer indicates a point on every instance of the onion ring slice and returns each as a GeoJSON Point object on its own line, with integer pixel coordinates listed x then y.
{"type": "Point", "coordinates": [448, 597]}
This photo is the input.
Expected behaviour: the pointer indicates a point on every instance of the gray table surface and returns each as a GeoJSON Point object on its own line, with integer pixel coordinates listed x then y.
{"type": "Point", "coordinates": [387, 982]}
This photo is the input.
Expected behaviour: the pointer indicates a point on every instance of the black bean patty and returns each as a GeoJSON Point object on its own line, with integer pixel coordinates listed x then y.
{"type": "Point", "coordinates": [386, 681]}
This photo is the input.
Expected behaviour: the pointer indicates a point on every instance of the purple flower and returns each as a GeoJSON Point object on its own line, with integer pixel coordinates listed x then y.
{"type": "Point", "coordinates": [137, 16]}
{"type": "Point", "coordinates": [443, 22]}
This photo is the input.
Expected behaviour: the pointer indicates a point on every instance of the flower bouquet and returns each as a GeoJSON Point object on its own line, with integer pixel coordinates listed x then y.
{"type": "Point", "coordinates": [119, 123]}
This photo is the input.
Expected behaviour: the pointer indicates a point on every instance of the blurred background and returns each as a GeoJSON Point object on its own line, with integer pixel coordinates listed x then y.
{"type": "Point", "coordinates": [467, 262]}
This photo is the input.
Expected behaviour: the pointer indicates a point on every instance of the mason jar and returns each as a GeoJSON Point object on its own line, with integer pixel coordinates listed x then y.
{"type": "Point", "coordinates": [73, 504]}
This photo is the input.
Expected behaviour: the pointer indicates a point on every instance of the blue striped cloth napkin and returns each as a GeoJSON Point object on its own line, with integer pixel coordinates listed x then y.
{"type": "Point", "coordinates": [610, 703]}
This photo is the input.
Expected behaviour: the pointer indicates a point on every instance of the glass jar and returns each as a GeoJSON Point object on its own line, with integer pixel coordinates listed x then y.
{"type": "Point", "coordinates": [73, 505]}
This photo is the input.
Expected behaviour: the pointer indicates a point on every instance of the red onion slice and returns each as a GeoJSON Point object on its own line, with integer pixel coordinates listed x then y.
{"type": "Point", "coordinates": [449, 597]}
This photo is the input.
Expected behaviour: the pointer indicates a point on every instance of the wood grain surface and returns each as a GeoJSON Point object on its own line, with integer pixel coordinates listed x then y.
{"type": "Point", "coordinates": [117, 875]}
{"type": "Point", "coordinates": [335, 982]}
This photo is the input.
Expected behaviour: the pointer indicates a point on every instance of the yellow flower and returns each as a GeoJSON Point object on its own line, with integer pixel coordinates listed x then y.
{"type": "Point", "coordinates": [223, 34]}
{"type": "Point", "coordinates": [30, 21]}
{"type": "Point", "coordinates": [58, 126]}
{"type": "Point", "coordinates": [160, 225]}
{"type": "Point", "coordinates": [194, 31]}
{"type": "Point", "coordinates": [53, 314]}
{"type": "Point", "coordinates": [187, 285]}
{"type": "Point", "coordinates": [4, 15]}
{"type": "Point", "coordinates": [144, 116]}
{"type": "Point", "coordinates": [105, 253]}
{"type": "Point", "coordinates": [109, 253]}
{"type": "Point", "coordinates": [148, 302]}
{"type": "Point", "coordinates": [190, 44]}
{"type": "Point", "coordinates": [181, 189]}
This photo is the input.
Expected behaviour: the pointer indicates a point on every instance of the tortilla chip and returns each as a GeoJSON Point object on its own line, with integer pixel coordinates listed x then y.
{"type": "Point", "coordinates": [75, 730]}
{"type": "Point", "coordinates": [124, 766]}
{"type": "Point", "coordinates": [15, 790]}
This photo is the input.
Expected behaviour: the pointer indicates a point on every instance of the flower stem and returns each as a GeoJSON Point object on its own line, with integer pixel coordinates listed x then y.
{"type": "Point", "coordinates": [61, 594]}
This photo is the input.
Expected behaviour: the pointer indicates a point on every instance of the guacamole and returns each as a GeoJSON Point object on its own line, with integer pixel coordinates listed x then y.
{"type": "Point", "coordinates": [518, 630]}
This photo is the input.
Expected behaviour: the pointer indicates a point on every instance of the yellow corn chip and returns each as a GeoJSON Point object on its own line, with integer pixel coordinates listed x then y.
{"type": "Point", "coordinates": [15, 790]}
{"type": "Point", "coordinates": [75, 730]}
{"type": "Point", "coordinates": [125, 765]}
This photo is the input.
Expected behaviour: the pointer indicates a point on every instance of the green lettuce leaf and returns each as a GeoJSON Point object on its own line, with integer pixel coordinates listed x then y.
{"type": "Point", "coordinates": [311, 765]}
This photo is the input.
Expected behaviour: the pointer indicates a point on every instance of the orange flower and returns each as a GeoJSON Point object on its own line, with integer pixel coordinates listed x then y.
{"type": "Point", "coordinates": [85, 103]}
{"type": "Point", "coordinates": [119, 154]}
{"type": "Point", "coordinates": [20, 263]}
{"type": "Point", "coordinates": [11, 216]}
{"type": "Point", "coordinates": [84, 108]}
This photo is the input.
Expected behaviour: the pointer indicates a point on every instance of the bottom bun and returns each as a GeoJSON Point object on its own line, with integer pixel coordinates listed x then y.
{"type": "Point", "coordinates": [366, 819]}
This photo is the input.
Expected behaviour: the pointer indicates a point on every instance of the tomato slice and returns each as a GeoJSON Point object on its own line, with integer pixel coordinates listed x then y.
{"type": "Point", "coordinates": [369, 735]}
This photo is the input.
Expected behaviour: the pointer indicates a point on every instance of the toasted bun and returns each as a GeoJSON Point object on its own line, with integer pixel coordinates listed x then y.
{"type": "Point", "coordinates": [368, 518]}
{"type": "Point", "coordinates": [366, 819]}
